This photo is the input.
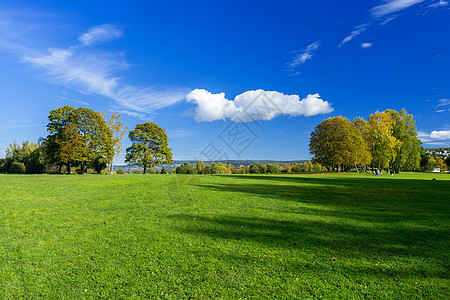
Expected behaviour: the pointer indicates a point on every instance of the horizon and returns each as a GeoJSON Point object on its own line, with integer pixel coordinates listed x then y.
{"type": "Point", "coordinates": [274, 73]}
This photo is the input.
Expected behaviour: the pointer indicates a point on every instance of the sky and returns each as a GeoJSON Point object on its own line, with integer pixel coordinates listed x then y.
{"type": "Point", "coordinates": [226, 79]}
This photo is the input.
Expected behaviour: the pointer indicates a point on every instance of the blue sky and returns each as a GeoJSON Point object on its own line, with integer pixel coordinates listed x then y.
{"type": "Point", "coordinates": [226, 79]}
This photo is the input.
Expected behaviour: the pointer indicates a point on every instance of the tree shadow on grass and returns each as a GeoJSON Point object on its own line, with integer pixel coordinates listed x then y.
{"type": "Point", "coordinates": [381, 203]}
{"type": "Point", "coordinates": [386, 220]}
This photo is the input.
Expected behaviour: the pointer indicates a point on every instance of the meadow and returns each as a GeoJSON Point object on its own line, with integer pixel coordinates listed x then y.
{"type": "Point", "coordinates": [348, 236]}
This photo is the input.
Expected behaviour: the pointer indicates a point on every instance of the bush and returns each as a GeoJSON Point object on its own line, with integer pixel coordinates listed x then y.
{"type": "Point", "coordinates": [163, 170]}
{"type": "Point", "coordinates": [137, 172]}
{"type": "Point", "coordinates": [151, 171]}
{"type": "Point", "coordinates": [120, 171]}
{"type": "Point", "coordinates": [17, 168]}
{"type": "Point", "coordinates": [271, 168]}
{"type": "Point", "coordinates": [256, 169]}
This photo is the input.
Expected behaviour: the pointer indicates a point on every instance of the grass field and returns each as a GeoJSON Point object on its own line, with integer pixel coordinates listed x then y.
{"type": "Point", "coordinates": [237, 236]}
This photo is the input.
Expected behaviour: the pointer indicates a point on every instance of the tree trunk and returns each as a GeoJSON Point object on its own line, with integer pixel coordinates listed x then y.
{"type": "Point", "coordinates": [356, 168]}
{"type": "Point", "coordinates": [145, 168]}
{"type": "Point", "coordinates": [68, 168]}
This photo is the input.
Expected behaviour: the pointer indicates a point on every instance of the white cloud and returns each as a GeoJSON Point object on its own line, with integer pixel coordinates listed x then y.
{"type": "Point", "coordinates": [100, 34]}
{"type": "Point", "coordinates": [302, 56]}
{"type": "Point", "coordinates": [366, 45]}
{"type": "Point", "coordinates": [443, 106]}
{"type": "Point", "coordinates": [440, 3]}
{"type": "Point", "coordinates": [356, 31]}
{"type": "Point", "coordinates": [435, 135]}
{"type": "Point", "coordinates": [392, 6]}
{"type": "Point", "coordinates": [254, 105]}
{"type": "Point", "coordinates": [444, 102]}
{"type": "Point", "coordinates": [386, 12]}
{"type": "Point", "coordinates": [93, 72]}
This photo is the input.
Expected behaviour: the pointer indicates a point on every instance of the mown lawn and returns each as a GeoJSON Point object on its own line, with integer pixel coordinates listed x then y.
{"type": "Point", "coordinates": [237, 236]}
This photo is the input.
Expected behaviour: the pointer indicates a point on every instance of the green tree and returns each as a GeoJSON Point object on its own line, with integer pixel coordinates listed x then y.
{"type": "Point", "coordinates": [336, 142]}
{"type": "Point", "coordinates": [150, 146]}
{"type": "Point", "coordinates": [271, 168]}
{"type": "Point", "coordinates": [447, 162]}
{"type": "Point", "coordinates": [120, 171]}
{"type": "Point", "coordinates": [118, 130]}
{"type": "Point", "coordinates": [256, 169]}
{"type": "Point", "coordinates": [17, 168]}
{"type": "Point", "coordinates": [78, 136]}
{"type": "Point", "coordinates": [384, 145]}
{"type": "Point", "coordinates": [200, 167]}
{"type": "Point", "coordinates": [405, 131]}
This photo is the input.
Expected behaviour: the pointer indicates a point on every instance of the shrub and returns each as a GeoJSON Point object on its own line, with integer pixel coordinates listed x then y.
{"type": "Point", "coordinates": [271, 168]}
{"type": "Point", "coordinates": [17, 168]}
{"type": "Point", "coordinates": [137, 172]}
{"type": "Point", "coordinates": [151, 171]}
{"type": "Point", "coordinates": [256, 169]}
{"type": "Point", "coordinates": [120, 171]}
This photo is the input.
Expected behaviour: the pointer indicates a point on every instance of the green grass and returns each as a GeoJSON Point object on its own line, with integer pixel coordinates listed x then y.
{"type": "Point", "coordinates": [242, 236]}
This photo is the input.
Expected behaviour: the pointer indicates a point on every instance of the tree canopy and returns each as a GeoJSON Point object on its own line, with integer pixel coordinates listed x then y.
{"type": "Point", "coordinates": [386, 140]}
{"type": "Point", "coordinates": [78, 136]}
{"type": "Point", "coordinates": [336, 142]}
{"type": "Point", "coordinates": [150, 146]}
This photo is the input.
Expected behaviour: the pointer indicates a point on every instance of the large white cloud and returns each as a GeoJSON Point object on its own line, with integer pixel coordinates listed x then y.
{"type": "Point", "coordinates": [254, 105]}
{"type": "Point", "coordinates": [436, 135]}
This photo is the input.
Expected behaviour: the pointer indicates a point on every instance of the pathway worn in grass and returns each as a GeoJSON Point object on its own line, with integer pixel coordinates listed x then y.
{"type": "Point", "coordinates": [267, 236]}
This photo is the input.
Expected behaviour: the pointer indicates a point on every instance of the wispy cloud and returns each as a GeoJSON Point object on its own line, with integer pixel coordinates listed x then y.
{"type": "Point", "coordinates": [356, 31]}
{"type": "Point", "coordinates": [74, 100]}
{"type": "Point", "coordinates": [366, 45]}
{"type": "Point", "coordinates": [387, 11]}
{"type": "Point", "coordinates": [439, 3]}
{"type": "Point", "coordinates": [303, 56]}
{"type": "Point", "coordinates": [392, 6]}
{"type": "Point", "coordinates": [100, 34]}
{"type": "Point", "coordinates": [442, 106]}
{"type": "Point", "coordinates": [92, 72]}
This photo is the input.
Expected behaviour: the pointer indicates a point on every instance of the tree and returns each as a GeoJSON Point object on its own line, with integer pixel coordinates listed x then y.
{"type": "Point", "coordinates": [271, 168]}
{"type": "Point", "coordinates": [256, 169]}
{"type": "Point", "coordinates": [118, 130]}
{"type": "Point", "coordinates": [440, 163]}
{"type": "Point", "coordinates": [120, 171]}
{"type": "Point", "coordinates": [383, 144]}
{"type": "Point", "coordinates": [447, 162]}
{"type": "Point", "coordinates": [405, 131]}
{"type": "Point", "coordinates": [150, 146]}
{"type": "Point", "coordinates": [424, 159]}
{"type": "Point", "coordinates": [78, 136]}
{"type": "Point", "coordinates": [336, 142]}
{"type": "Point", "coordinates": [200, 167]}
{"type": "Point", "coordinates": [17, 168]}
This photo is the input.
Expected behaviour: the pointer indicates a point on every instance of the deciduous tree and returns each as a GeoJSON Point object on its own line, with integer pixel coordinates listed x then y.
{"type": "Point", "coordinates": [150, 146]}
{"type": "Point", "coordinates": [336, 142]}
{"type": "Point", "coordinates": [384, 145]}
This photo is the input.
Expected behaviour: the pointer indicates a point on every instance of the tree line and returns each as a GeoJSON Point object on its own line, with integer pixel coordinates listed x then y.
{"type": "Point", "coordinates": [221, 168]}
{"type": "Point", "coordinates": [82, 139]}
{"type": "Point", "coordinates": [386, 140]}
